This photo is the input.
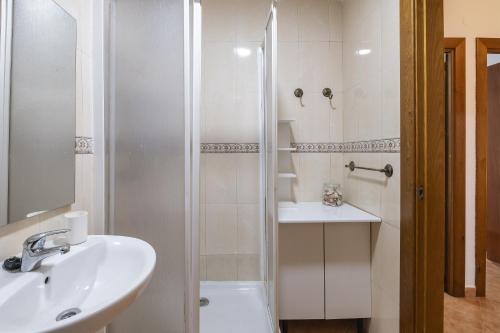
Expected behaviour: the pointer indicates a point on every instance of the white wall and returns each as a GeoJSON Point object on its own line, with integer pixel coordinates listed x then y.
{"type": "Point", "coordinates": [471, 19]}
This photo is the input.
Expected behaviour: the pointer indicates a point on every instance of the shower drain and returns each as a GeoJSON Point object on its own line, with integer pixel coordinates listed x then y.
{"type": "Point", "coordinates": [68, 314]}
{"type": "Point", "coordinates": [204, 301]}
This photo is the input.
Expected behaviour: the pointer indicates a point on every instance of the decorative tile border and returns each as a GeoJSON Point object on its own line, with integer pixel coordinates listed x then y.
{"type": "Point", "coordinates": [318, 147]}
{"type": "Point", "coordinates": [84, 145]}
{"type": "Point", "coordinates": [231, 148]}
{"type": "Point", "coordinates": [391, 145]}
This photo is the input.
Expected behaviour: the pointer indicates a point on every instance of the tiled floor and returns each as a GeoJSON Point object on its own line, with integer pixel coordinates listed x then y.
{"type": "Point", "coordinates": [234, 307]}
{"type": "Point", "coordinates": [475, 314]}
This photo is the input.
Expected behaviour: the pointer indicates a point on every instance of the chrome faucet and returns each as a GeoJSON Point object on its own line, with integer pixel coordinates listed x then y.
{"type": "Point", "coordinates": [34, 250]}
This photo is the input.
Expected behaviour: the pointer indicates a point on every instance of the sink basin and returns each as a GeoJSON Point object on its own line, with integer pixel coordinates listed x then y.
{"type": "Point", "coordinates": [81, 291]}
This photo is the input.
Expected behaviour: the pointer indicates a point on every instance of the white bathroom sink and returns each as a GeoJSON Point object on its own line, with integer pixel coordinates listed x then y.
{"type": "Point", "coordinates": [100, 278]}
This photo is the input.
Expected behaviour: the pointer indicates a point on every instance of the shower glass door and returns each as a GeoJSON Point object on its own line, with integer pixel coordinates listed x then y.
{"type": "Point", "coordinates": [270, 146]}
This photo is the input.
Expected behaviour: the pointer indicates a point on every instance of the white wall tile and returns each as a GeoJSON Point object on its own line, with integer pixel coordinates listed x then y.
{"type": "Point", "coordinates": [249, 233]}
{"type": "Point", "coordinates": [391, 192]}
{"type": "Point", "coordinates": [221, 177]}
{"type": "Point", "coordinates": [314, 120]}
{"type": "Point", "coordinates": [313, 18]}
{"type": "Point", "coordinates": [222, 267]}
{"type": "Point", "coordinates": [251, 17]}
{"type": "Point", "coordinates": [317, 68]}
{"type": "Point", "coordinates": [217, 25]}
{"type": "Point", "coordinates": [363, 187]}
{"type": "Point", "coordinates": [337, 118]}
{"type": "Point", "coordinates": [390, 69]}
{"type": "Point", "coordinates": [244, 122]}
{"type": "Point", "coordinates": [288, 79]}
{"type": "Point", "coordinates": [335, 20]}
{"type": "Point", "coordinates": [288, 27]}
{"type": "Point", "coordinates": [221, 229]}
{"type": "Point", "coordinates": [247, 67]}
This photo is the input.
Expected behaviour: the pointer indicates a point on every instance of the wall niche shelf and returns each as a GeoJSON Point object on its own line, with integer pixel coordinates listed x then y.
{"type": "Point", "coordinates": [287, 175]}
{"type": "Point", "coordinates": [287, 149]}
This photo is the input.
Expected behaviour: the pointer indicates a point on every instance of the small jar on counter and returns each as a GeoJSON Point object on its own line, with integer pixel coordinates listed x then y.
{"type": "Point", "coordinates": [332, 195]}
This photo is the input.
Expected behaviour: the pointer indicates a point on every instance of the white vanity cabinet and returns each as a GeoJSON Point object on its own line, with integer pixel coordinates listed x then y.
{"type": "Point", "coordinates": [324, 262]}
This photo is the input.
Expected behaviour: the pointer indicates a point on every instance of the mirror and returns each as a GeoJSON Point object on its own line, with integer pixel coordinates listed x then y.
{"type": "Point", "coordinates": [38, 64]}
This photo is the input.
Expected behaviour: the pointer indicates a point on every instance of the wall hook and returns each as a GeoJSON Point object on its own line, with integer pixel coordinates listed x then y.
{"type": "Point", "coordinates": [299, 93]}
{"type": "Point", "coordinates": [327, 92]}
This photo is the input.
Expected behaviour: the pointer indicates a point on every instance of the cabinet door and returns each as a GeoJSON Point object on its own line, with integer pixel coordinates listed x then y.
{"type": "Point", "coordinates": [301, 271]}
{"type": "Point", "coordinates": [347, 270]}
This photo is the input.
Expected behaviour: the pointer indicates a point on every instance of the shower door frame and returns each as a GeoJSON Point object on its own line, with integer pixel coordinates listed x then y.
{"type": "Point", "coordinates": [270, 157]}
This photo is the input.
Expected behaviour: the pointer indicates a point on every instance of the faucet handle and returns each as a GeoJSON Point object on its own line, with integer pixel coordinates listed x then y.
{"type": "Point", "coordinates": [37, 241]}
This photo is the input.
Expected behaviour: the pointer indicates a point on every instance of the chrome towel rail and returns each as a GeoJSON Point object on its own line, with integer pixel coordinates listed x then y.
{"type": "Point", "coordinates": [387, 170]}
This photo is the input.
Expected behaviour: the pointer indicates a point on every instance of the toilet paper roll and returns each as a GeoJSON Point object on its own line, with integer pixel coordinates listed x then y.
{"type": "Point", "coordinates": [78, 224]}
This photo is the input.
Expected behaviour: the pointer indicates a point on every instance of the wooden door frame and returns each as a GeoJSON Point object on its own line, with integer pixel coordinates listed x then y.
{"type": "Point", "coordinates": [483, 47]}
{"type": "Point", "coordinates": [422, 166]}
{"type": "Point", "coordinates": [455, 248]}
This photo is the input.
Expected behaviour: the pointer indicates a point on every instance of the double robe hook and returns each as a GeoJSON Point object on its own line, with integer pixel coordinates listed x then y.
{"type": "Point", "coordinates": [327, 92]}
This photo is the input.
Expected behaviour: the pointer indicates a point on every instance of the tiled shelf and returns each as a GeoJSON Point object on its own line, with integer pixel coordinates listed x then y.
{"type": "Point", "coordinates": [287, 149]}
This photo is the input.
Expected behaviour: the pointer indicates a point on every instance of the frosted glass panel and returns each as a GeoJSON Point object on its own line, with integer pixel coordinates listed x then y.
{"type": "Point", "coordinates": [147, 154]}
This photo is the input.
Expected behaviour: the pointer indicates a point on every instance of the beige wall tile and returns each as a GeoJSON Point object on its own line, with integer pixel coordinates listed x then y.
{"type": "Point", "coordinates": [248, 178]}
{"type": "Point", "coordinates": [222, 267]}
{"type": "Point", "coordinates": [203, 229]}
{"type": "Point", "coordinates": [249, 267]}
{"type": "Point", "coordinates": [221, 178]}
{"type": "Point", "coordinates": [313, 172]}
{"type": "Point", "coordinates": [203, 268]}
{"type": "Point", "coordinates": [249, 232]}
{"type": "Point", "coordinates": [385, 258]}
{"type": "Point", "coordinates": [221, 229]}
{"type": "Point", "coordinates": [385, 313]}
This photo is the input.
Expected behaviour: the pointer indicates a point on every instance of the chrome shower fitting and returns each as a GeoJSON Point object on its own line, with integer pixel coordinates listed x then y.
{"type": "Point", "coordinates": [327, 92]}
{"type": "Point", "coordinates": [299, 93]}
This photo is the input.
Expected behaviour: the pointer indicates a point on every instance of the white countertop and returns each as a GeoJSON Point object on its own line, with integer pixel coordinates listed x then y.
{"type": "Point", "coordinates": [316, 212]}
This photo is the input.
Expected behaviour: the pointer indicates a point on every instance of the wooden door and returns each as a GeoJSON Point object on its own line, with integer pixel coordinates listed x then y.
{"type": "Point", "coordinates": [493, 221]}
